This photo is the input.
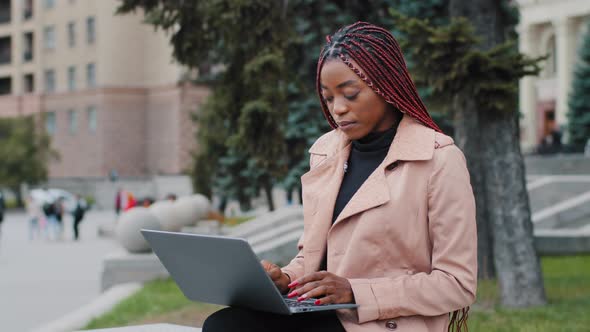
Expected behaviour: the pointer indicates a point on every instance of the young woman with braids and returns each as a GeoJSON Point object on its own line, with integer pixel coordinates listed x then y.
{"type": "Point", "coordinates": [389, 213]}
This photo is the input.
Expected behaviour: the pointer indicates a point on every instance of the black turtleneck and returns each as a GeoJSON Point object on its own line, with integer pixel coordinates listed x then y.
{"type": "Point", "coordinates": [365, 155]}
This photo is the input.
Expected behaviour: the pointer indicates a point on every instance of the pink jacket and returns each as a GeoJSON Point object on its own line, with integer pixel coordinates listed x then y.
{"type": "Point", "coordinates": [407, 239]}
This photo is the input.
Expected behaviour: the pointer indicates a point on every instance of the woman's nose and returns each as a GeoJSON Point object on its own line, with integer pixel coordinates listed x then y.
{"type": "Point", "coordinates": [340, 106]}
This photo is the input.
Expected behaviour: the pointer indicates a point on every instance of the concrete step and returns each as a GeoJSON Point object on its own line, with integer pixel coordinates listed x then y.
{"type": "Point", "coordinates": [563, 241]}
{"type": "Point", "coordinates": [267, 221]}
{"type": "Point", "coordinates": [271, 234]}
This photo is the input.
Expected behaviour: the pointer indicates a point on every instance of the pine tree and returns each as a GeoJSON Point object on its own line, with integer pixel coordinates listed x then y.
{"type": "Point", "coordinates": [579, 99]}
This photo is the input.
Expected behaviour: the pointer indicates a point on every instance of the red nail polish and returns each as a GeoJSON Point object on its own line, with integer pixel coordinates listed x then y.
{"type": "Point", "coordinates": [293, 284]}
{"type": "Point", "coordinates": [301, 298]}
{"type": "Point", "coordinates": [317, 302]}
{"type": "Point", "coordinates": [292, 294]}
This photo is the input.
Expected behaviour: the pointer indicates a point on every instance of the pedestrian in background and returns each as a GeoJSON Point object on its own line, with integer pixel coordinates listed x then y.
{"type": "Point", "coordinates": [78, 215]}
{"type": "Point", "coordinates": [59, 215]}
{"type": "Point", "coordinates": [118, 201]}
{"type": "Point", "coordinates": [34, 216]}
{"type": "Point", "coordinates": [50, 212]}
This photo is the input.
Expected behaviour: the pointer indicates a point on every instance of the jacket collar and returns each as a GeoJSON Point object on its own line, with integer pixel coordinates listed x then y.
{"type": "Point", "coordinates": [413, 141]}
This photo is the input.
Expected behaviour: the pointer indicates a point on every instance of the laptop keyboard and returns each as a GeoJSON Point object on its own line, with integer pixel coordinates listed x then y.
{"type": "Point", "coordinates": [307, 303]}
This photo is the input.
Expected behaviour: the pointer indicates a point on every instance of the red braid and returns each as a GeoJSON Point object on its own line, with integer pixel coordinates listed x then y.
{"type": "Point", "coordinates": [382, 68]}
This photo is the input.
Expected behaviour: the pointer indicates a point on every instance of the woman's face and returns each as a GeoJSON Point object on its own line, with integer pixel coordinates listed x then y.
{"type": "Point", "coordinates": [355, 107]}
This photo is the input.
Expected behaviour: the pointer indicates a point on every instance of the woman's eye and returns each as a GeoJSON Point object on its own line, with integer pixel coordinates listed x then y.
{"type": "Point", "coordinates": [352, 96]}
{"type": "Point", "coordinates": [329, 99]}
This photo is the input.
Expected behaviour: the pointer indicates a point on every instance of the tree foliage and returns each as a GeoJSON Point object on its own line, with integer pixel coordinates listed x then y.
{"type": "Point", "coordinates": [579, 99]}
{"type": "Point", "coordinates": [451, 64]}
{"type": "Point", "coordinates": [241, 127]}
{"type": "Point", "coordinates": [25, 152]}
{"type": "Point", "coordinates": [263, 114]}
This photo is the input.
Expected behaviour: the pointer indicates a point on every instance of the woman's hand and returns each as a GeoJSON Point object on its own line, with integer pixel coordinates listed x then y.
{"type": "Point", "coordinates": [325, 286]}
{"type": "Point", "coordinates": [275, 273]}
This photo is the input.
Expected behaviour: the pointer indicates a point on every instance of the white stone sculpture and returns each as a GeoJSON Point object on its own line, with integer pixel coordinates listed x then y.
{"type": "Point", "coordinates": [165, 211]}
{"type": "Point", "coordinates": [129, 225]}
{"type": "Point", "coordinates": [190, 209]}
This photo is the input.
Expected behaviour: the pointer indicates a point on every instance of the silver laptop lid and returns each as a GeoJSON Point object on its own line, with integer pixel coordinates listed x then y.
{"type": "Point", "coordinates": [217, 270]}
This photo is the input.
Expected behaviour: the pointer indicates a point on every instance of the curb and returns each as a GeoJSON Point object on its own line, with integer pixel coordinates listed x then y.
{"type": "Point", "coordinates": [80, 317]}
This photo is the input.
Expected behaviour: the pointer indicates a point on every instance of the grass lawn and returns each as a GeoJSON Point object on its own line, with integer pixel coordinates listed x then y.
{"type": "Point", "coordinates": [234, 221]}
{"type": "Point", "coordinates": [567, 283]}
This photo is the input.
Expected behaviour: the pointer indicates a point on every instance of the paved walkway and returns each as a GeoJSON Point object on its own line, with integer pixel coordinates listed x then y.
{"type": "Point", "coordinates": [42, 280]}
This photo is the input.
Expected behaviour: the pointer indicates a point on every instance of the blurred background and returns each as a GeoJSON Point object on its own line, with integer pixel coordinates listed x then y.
{"type": "Point", "coordinates": [107, 106]}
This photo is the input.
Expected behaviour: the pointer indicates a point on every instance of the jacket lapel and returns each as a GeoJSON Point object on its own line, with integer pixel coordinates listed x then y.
{"type": "Point", "coordinates": [372, 193]}
{"type": "Point", "coordinates": [413, 141]}
{"type": "Point", "coordinates": [321, 185]}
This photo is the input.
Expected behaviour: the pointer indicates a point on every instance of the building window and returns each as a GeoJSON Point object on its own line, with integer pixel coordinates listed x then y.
{"type": "Point", "coordinates": [5, 85]}
{"type": "Point", "coordinates": [91, 115]}
{"type": "Point", "coordinates": [28, 47]}
{"type": "Point", "coordinates": [550, 64]}
{"type": "Point", "coordinates": [71, 78]}
{"type": "Point", "coordinates": [71, 34]}
{"type": "Point", "coordinates": [29, 83]}
{"type": "Point", "coordinates": [50, 123]}
{"type": "Point", "coordinates": [49, 37]}
{"type": "Point", "coordinates": [48, 4]}
{"type": "Point", "coordinates": [50, 80]}
{"type": "Point", "coordinates": [5, 12]}
{"type": "Point", "coordinates": [90, 75]}
{"type": "Point", "coordinates": [90, 30]}
{"type": "Point", "coordinates": [72, 121]}
{"type": "Point", "coordinates": [27, 9]}
{"type": "Point", "coordinates": [5, 50]}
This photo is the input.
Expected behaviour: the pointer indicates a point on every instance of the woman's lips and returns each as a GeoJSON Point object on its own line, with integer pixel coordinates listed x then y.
{"type": "Point", "coordinates": [345, 125]}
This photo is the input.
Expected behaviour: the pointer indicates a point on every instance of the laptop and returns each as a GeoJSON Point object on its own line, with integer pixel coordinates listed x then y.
{"type": "Point", "coordinates": [224, 270]}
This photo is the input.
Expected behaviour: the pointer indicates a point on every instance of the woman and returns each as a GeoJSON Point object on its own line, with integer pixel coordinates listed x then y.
{"type": "Point", "coordinates": [389, 211]}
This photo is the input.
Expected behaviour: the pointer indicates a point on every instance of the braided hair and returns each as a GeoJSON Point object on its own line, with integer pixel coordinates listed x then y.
{"type": "Point", "coordinates": [379, 56]}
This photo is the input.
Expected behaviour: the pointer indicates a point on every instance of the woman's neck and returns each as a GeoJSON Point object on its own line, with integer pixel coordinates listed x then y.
{"type": "Point", "coordinates": [375, 140]}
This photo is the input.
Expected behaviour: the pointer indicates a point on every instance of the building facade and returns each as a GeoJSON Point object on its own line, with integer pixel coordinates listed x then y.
{"type": "Point", "coordinates": [108, 91]}
{"type": "Point", "coordinates": [554, 28]}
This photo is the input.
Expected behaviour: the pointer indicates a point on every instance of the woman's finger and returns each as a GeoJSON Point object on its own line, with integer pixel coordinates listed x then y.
{"type": "Point", "coordinates": [329, 299]}
{"type": "Point", "coordinates": [318, 291]}
{"type": "Point", "coordinates": [273, 270]}
{"type": "Point", "coordinates": [266, 265]}
{"type": "Point", "coordinates": [300, 290]}
{"type": "Point", "coordinates": [309, 278]}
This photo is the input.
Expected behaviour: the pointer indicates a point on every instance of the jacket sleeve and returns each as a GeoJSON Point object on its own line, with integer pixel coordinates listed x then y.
{"type": "Point", "coordinates": [295, 268]}
{"type": "Point", "coordinates": [452, 282]}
